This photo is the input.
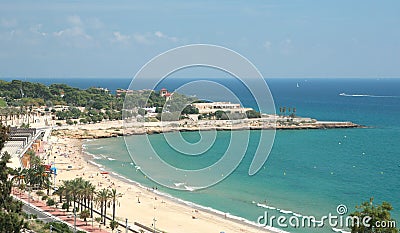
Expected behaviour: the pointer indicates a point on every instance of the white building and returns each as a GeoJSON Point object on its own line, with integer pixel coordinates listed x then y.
{"type": "Point", "coordinates": [222, 106]}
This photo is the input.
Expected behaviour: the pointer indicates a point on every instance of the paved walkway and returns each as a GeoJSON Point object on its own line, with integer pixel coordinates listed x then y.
{"type": "Point", "coordinates": [61, 214]}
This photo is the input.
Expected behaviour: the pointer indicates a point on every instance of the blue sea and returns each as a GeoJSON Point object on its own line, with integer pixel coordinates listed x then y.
{"type": "Point", "coordinates": [308, 172]}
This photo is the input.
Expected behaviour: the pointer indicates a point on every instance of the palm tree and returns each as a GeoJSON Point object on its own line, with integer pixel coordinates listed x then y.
{"type": "Point", "coordinates": [61, 191]}
{"type": "Point", "coordinates": [114, 195]}
{"type": "Point", "coordinates": [68, 192]}
{"type": "Point", "coordinates": [84, 194]}
{"type": "Point", "coordinates": [19, 174]}
{"type": "Point", "coordinates": [91, 196]}
{"type": "Point", "coordinates": [75, 189]}
{"type": "Point", "coordinates": [102, 199]}
{"type": "Point", "coordinates": [84, 215]}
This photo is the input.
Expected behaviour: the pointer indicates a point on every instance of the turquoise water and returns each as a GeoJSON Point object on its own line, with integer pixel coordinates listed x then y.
{"type": "Point", "coordinates": [308, 172]}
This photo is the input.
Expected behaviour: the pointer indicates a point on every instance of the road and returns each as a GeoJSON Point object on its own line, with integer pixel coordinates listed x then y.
{"type": "Point", "coordinates": [45, 217]}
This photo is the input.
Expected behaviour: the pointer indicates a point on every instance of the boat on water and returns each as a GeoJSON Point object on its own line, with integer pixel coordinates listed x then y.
{"type": "Point", "coordinates": [342, 94]}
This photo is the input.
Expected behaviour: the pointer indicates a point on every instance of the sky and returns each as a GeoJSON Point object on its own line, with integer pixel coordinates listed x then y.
{"type": "Point", "coordinates": [297, 38]}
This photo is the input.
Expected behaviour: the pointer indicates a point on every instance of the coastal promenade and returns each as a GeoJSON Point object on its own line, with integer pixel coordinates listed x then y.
{"type": "Point", "coordinates": [54, 214]}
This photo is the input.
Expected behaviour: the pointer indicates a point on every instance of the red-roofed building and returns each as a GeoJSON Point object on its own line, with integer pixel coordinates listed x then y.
{"type": "Point", "coordinates": [168, 96]}
{"type": "Point", "coordinates": [163, 92]}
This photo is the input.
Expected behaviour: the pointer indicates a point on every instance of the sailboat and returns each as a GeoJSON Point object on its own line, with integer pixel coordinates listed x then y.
{"type": "Point", "coordinates": [297, 85]}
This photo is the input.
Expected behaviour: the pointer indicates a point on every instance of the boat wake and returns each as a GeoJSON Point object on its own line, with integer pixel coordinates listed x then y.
{"type": "Point", "coordinates": [365, 95]}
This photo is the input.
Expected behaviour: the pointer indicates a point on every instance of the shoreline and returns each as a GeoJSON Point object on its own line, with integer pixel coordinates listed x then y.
{"type": "Point", "coordinates": [173, 214]}
{"type": "Point", "coordinates": [177, 214]}
{"type": "Point", "coordinates": [178, 201]}
{"type": "Point", "coordinates": [210, 210]}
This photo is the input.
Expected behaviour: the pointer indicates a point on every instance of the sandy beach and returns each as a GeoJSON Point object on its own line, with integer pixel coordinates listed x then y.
{"type": "Point", "coordinates": [137, 203]}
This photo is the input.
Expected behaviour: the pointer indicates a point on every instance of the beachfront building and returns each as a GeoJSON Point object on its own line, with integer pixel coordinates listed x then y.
{"type": "Point", "coordinates": [164, 93]}
{"type": "Point", "coordinates": [19, 142]}
{"type": "Point", "coordinates": [212, 107]}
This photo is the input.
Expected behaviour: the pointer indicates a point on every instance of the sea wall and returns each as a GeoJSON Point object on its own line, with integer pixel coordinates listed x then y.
{"type": "Point", "coordinates": [115, 130]}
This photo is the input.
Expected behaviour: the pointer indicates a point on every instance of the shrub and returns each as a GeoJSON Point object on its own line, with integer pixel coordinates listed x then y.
{"type": "Point", "coordinates": [114, 225]}
{"type": "Point", "coordinates": [40, 193]}
{"type": "Point", "coordinates": [50, 202]}
{"type": "Point", "coordinates": [65, 206]}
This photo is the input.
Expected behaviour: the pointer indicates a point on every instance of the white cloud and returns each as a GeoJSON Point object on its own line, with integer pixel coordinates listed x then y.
{"type": "Point", "coordinates": [286, 46]}
{"type": "Point", "coordinates": [163, 36]}
{"type": "Point", "coordinates": [267, 44]}
{"type": "Point", "coordinates": [95, 23]}
{"type": "Point", "coordinates": [8, 23]}
{"type": "Point", "coordinates": [141, 39]}
{"type": "Point", "coordinates": [11, 35]}
{"type": "Point", "coordinates": [77, 32]}
{"type": "Point", "coordinates": [159, 34]}
{"type": "Point", "coordinates": [75, 20]}
{"type": "Point", "coordinates": [75, 35]}
{"type": "Point", "coordinates": [36, 29]}
{"type": "Point", "coordinates": [119, 37]}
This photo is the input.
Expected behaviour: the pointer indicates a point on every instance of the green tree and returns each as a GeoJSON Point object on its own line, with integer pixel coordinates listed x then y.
{"type": "Point", "coordinates": [103, 197]}
{"type": "Point", "coordinates": [221, 115]}
{"type": "Point", "coordinates": [114, 196]}
{"type": "Point", "coordinates": [50, 202]}
{"type": "Point", "coordinates": [378, 214]}
{"type": "Point", "coordinates": [142, 112]}
{"type": "Point", "coordinates": [190, 109]}
{"type": "Point", "coordinates": [114, 225]}
{"type": "Point", "coordinates": [60, 192]}
{"type": "Point", "coordinates": [10, 210]}
{"type": "Point", "coordinates": [59, 227]}
{"type": "Point", "coordinates": [84, 214]}
{"type": "Point", "coordinates": [253, 114]}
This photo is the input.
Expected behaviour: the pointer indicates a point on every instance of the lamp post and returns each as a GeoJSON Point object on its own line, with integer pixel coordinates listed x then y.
{"type": "Point", "coordinates": [154, 225]}
{"type": "Point", "coordinates": [74, 220]}
{"type": "Point", "coordinates": [29, 195]}
{"type": "Point", "coordinates": [54, 164]}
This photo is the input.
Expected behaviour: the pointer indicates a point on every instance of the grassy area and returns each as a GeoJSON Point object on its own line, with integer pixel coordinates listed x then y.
{"type": "Point", "coordinates": [3, 103]}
